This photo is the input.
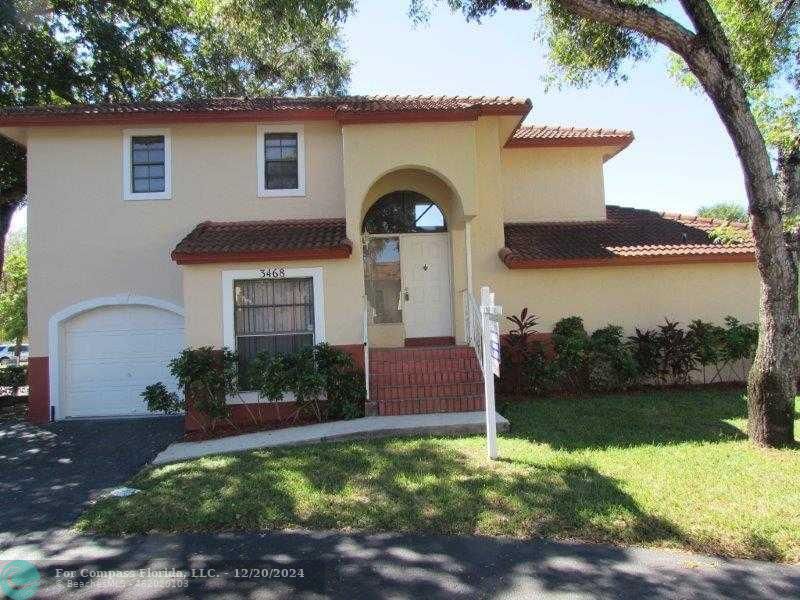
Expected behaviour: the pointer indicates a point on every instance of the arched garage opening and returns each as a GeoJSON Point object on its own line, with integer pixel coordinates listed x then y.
{"type": "Point", "coordinates": [105, 351]}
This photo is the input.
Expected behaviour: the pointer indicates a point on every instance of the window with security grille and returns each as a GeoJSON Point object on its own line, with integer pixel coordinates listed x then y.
{"type": "Point", "coordinates": [273, 316]}
{"type": "Point", "coordinates": [280, 161]}
{"type": "Point", "coordinates": [148, 164]}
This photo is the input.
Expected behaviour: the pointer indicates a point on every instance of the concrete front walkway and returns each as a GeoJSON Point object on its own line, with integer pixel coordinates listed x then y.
{"type": "Point", "coordinates": [365, 428]}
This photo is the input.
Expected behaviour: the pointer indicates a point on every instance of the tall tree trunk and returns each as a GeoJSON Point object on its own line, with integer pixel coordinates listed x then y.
{"type": "Point", "coordinates": [772, 383]}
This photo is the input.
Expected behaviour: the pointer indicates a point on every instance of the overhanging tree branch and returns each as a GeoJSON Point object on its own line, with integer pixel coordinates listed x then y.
{"type": "Point", "coordinates": [644, 19]}
{"type": "Point", "coordinates": [708, 26]}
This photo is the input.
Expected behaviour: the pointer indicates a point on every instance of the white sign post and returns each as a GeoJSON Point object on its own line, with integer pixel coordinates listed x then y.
{"type": "Point", "coordinates": [490, 338]}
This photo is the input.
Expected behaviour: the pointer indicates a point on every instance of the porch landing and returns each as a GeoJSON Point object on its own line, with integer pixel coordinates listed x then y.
{"type": "Point", "coordinates": [355, 429]}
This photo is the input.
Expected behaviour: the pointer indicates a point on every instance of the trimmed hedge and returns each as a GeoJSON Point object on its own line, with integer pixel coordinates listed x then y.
{"type": "Point", "coordinates": [606, 360]}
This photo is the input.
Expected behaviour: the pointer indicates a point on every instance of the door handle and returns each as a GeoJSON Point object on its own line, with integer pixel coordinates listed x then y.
{"type": "Point", "coordinates": [405, 295]}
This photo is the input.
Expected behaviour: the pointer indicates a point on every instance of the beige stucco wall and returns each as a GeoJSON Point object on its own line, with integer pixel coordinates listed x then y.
{"type": "Point", "coordinates": [202, 299]}
{"type": "Point", "coordinates": [633, 296]}
{"type": "Point", "coordinates": [553, 184]}
{"type": "Point", "coordinates": [86, 241]}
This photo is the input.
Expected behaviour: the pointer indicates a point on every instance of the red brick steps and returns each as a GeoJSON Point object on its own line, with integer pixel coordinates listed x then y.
{"type": "Point", "coordinates": [418, 380]}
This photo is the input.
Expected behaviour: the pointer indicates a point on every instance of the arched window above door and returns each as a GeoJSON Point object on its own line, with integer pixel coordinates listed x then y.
{"type": "Point", "coordinates": [404, 212]}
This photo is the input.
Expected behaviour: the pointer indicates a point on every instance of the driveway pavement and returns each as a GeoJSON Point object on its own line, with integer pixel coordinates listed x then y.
{"type": "Point", "coordinates": [49, 473]}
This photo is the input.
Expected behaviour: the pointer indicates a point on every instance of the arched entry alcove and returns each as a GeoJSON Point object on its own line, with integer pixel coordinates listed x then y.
{"type": "Point", "coordinates": [408, 269]}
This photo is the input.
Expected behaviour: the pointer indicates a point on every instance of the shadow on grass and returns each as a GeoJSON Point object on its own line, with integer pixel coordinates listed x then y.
{"type": "Point", "coordinates": [624, 420]}
{"type": "Point", "coordinates": [421, 486]}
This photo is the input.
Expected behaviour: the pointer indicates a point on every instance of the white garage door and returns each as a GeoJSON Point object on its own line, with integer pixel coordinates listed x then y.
{"type": "Point", "coordinates": [112, 353]}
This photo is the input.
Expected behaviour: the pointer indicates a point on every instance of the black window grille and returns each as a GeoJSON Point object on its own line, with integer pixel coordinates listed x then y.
{"type": "Point", "coordinates": [272, 315]}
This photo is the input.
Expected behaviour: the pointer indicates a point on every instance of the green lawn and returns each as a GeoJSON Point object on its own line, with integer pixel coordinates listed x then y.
{"type": "Point", "coordinates": [667, 469]}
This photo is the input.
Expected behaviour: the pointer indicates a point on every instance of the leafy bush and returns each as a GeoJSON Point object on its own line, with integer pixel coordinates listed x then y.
{"type": "Point", "coordinates": [207, 376]}
{"type": "Point", "coordinates": [725, 211]}
{"type": "Point", "coordinates": [324, 380]}
{"type": "Point", "coordinates": [344, 383]}
{"type": "Point", "coordinates": [571, 346]}
{"type": "Point", "coordinates": [606, 360]}
{"type": "Point", "coordinates": [677, 359]}
{"type": "Point", "coordinates": [728, 235]}
{"type": "Point", "coordinates": [14, 377]}
{"type": "Point", "coordinates": [159, 399]}
{"type": "Point", "coordinates": [739, 344]}
{"type": "Point", "coordinates": [610, 362]}
{"type": "Point", "coordinates": [539, 372]}
{"type": "Point", "coordinates": [707, 343]}
{"type": "Point", "coordinates": [646, 352]}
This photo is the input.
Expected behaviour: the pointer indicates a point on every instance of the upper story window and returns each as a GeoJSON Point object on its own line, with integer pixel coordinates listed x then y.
{"type": "Point", "coordinates": [147, 168]}
{"type": "Point", "coordinates": [281, 160]}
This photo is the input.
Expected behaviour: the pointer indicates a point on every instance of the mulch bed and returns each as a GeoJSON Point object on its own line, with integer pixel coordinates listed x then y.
{"type": "Point", "coordinates": [223, 430]}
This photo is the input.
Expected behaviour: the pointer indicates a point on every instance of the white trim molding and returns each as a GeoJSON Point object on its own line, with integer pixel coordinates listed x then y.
{"type": "Point", "coordinates": [264, 129]}
{"type": "Point", "coordinates": [54, 333]}
{"type": "Point", "coordinates": [228, 332]}
{"type": "Point", "coordinates": [127, 189]}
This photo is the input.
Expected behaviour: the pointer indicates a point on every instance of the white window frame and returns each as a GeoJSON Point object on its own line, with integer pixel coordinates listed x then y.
{"type": "Point", "coordinates": [264, 129]}
{"type": "Point", "coordinates": [228, 326]}
{"type": "Point", "coordinates": [127, 168]}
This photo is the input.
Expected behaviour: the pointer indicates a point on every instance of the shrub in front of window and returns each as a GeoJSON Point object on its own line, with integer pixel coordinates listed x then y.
{"type": "Point", "coordinates": [324, 380]}
{"type": "Point", "coordinates": [268, 375]}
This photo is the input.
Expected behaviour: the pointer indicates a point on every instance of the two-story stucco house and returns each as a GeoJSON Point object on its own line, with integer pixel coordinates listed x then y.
{"type": "Point", "coordinates": [267, 224]}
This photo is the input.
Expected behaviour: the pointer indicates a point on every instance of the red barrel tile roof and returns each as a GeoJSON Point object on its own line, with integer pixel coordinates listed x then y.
{"type": "Point", "coordinates": [213, 242]}
{"type": "Point", "coordinates": [627, 236]}
{"type": "Point", "coordinates": [556, 135]}
{"type": "Point", "coordinates": [228, 108]}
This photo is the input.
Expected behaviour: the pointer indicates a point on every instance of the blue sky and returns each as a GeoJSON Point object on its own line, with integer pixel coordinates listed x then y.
{"type": "Point", "coordinates": [681, 159]}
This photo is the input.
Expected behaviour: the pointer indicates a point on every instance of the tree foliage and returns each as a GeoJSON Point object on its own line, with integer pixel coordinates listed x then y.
{"type": "Point", "coordinates": [724, 211]}
{"type": "Point", "coordinates": [72, 51]}
{"type": "Point", "coordinates": [127, 50]}
{"type": "Point", "coordinates": [14, 292]}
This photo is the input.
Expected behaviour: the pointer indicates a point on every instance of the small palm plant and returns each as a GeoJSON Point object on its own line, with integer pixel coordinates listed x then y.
{"type": "Point", "coordinates": [517, 349]}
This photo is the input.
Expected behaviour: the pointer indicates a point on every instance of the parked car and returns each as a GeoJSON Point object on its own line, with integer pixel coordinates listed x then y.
{"type": "Point", "coordinates": [8, 354]}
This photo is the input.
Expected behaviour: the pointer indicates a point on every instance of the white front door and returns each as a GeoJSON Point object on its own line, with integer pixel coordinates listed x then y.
{"type": "Point", "coordinates": [426, 289]}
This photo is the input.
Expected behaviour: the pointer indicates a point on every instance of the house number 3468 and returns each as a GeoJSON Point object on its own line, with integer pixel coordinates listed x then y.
{"type": "Point", "coordinates": [273, 273]}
